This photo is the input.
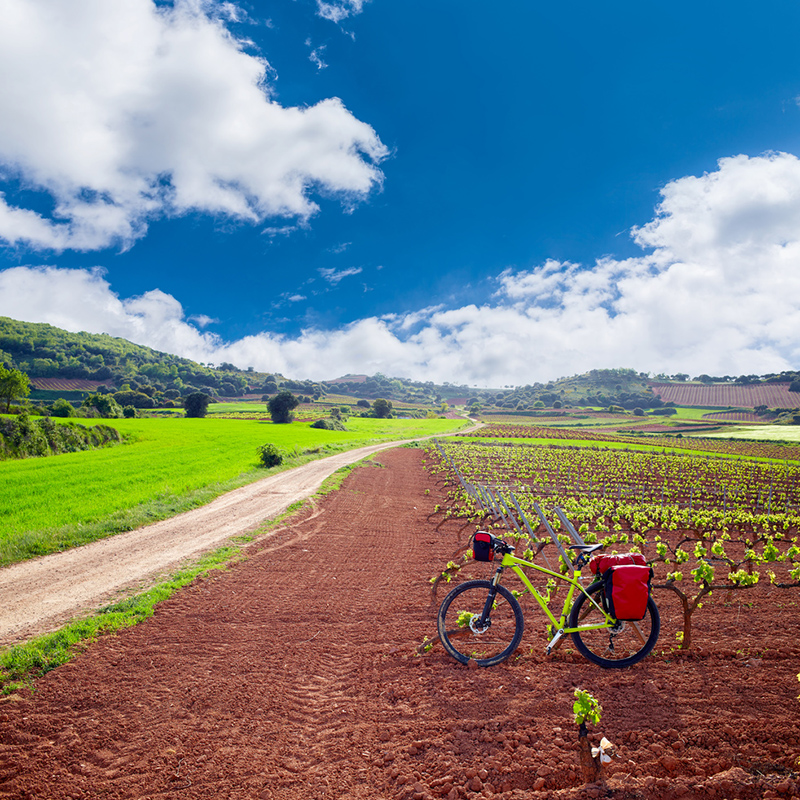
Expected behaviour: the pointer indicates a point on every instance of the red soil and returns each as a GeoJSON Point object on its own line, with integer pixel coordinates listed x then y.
{"type": "Point", "coordinates": [294, 675]}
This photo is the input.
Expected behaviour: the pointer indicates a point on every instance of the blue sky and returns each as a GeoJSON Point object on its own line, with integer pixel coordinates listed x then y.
{"type": "Point", "coordinates": [479, 193]}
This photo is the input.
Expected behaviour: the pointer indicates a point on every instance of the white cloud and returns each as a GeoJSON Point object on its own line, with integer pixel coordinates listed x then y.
{"type": "Point", "coordinates": [122, 112]}
{"type": "Point", "coordinates": [718, 291]}
{"type": "Point", "coordinates": [315, 56]}
{"type": "Point", "coordinates": [333, 276]}
{"type": "Point", "coordinates": [338, 10]}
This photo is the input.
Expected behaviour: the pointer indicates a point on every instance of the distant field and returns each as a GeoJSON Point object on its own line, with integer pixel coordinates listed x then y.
{"type": "Point", "coordinates": [717, 395]}
{"type": "Point", "coordinates": [782, 433]}
{"type": "Point", "coordinates": [169, 460]}
{"type": "Point", "coordinates": [738, 416]}
{"type": "Point", "coordinates": [65, 384]}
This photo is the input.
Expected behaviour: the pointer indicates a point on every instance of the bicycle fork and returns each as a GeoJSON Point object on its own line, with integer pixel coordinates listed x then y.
{"type": "Point", "coordinates": [489, 604]}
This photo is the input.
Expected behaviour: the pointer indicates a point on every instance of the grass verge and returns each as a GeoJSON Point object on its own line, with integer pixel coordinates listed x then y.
{"type": "Point", "coordinates": [22, 664]}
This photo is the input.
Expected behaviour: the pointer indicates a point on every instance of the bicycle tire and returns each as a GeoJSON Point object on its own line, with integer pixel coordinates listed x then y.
{"type": "Point", "coordinates": [487, 647]}
{"type": "Point", "coordinates": [613, 648]}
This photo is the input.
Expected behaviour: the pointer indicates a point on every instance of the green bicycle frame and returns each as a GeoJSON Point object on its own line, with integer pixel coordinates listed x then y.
{"type": "Point", "coordinates": [559, 625]}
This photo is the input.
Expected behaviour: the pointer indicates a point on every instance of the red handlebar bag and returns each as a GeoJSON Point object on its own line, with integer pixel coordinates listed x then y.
{"type": "Point", "coordinates": [483, 546]}
{"type": "Point", "coordinates": [627, 589]}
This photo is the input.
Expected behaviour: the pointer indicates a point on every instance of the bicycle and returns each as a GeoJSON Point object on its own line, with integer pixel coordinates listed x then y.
{"type": "Point", "coordinates": [486, 624]}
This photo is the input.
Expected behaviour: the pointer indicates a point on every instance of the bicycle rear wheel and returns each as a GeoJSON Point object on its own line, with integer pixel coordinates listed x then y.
{"type": "Point", "coordinates": [619, 646]}
{"type": "Point", "coordinates": [465, 637]}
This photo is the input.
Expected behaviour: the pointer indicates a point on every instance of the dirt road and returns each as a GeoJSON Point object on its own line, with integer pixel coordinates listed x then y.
{"type": "Point", "coordinates": [38, 596]}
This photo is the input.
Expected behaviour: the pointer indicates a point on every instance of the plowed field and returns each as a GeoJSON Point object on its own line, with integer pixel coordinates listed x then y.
{"type": "Point", "coordinates": [294, 675]}
{"type": "Point", "coordinates": [65, 384]}
{"type": "Point", "coordinates": [772, 395]}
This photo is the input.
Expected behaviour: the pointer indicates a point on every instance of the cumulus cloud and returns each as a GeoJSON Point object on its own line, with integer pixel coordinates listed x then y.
{"type": "Point", "coordinates": [716, 290]}
{"type": "Point", "coordinates": [122, 112]}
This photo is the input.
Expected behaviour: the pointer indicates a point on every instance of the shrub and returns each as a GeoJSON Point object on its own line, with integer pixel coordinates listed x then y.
{"type": "Point", "coordinates": [25, 438]}
{"type": "Point", "coordinates": [330, 424]}
{"type": "Point", "coordinates": [104, 404]}
{"type": "Point", "coordinates": [270, 455]}
{"type": "Point", "coordinates": [129, 412]}
{"type": "Point", "coordinates": [62, 408]}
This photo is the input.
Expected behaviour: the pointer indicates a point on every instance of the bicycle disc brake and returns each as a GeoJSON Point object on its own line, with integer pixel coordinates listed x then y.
{"type": "Point", "coordinates": [475, 626]}
{"type": "Point", "coordinates": [612, 632]}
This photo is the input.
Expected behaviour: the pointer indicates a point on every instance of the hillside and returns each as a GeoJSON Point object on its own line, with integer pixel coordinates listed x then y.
{"type": "Point", "coordinates": [49, 353]}
{"type": "Point", "coordinates": [71, 365]}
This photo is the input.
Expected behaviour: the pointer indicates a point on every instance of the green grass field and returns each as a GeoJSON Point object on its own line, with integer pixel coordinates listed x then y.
{"type": "Point", "coordinates": [168, 466]}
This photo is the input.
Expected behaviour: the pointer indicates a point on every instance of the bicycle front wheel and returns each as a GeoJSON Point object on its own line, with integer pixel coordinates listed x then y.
{"type": "Point", "coordinates": [618, 646]}
{"type": "Point", "coordinates": [463, 634]}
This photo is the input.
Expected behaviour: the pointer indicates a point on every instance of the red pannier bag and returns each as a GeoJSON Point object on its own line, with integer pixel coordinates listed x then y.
{"type": "Point", "coordinates": [627, 590]}
{"type": "Point", "coordinates": [599, 564]}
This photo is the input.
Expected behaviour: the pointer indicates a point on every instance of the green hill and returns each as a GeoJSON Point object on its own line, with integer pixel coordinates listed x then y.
{"type": "Point", "coordinates": [53, 357]}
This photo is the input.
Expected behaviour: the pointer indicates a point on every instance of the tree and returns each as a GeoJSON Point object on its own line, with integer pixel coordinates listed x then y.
{"type": "Point", "coordinates": [281, 406]}
{"type": "Point", "coordinates": [382, 408]}
{"type": "Point", "coordinates": [13, 384]}
{"type": "Point", "coordinates": [196, 404]}
{"type": "Point", "coordinates": [135, 399]}
{"type": "Point", "coordinates": [104, 404]}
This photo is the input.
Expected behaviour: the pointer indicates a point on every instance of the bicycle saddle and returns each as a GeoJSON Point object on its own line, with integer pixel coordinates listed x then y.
{"type": "Point", "coordinates": [586, 548]}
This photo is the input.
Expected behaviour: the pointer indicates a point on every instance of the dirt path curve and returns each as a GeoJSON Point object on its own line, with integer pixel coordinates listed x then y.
{"type": "Point", "coordinates": [40, 595]}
